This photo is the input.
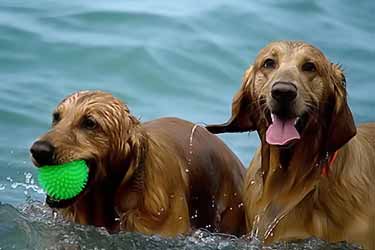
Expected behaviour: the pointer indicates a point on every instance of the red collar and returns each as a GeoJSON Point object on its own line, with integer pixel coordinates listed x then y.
{"type": "Point", "coordinates": [328, 164]}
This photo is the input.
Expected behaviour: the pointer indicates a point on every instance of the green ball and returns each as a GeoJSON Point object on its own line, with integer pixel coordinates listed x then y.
{"type": "Point", "coordinates": [64, 181]}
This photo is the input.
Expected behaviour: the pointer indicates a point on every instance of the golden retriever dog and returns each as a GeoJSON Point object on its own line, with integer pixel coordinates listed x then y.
{"type": "Point", "coordinates": [166, 176]}
{"type": "Point", "coordinates": [314, 173]}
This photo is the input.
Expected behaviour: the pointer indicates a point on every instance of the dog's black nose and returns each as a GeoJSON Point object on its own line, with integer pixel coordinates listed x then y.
{"type": "Point", "coordinates": [42, 152]}
{"type": "Point", "coordinates": [284, 92]}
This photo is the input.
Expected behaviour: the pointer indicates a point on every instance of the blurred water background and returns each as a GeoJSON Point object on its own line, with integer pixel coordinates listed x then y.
{"type": "Point", "coordinates": [163, 58]}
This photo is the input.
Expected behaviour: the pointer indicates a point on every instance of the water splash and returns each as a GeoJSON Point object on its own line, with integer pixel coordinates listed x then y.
{"type": "Point", "coordinates": [26, 186]}
{"type": "Point", "coordinates": [36, 226]}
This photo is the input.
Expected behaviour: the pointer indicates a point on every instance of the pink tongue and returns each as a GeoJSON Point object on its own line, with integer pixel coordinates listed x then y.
{"type": "Point", "coordinates": [280, 132]}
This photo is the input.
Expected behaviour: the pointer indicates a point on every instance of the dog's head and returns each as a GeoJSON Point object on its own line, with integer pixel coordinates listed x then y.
{"type": "Point", "coordinates": [88, 125]}
{"type": "Point", "coordinates": [290, 89]}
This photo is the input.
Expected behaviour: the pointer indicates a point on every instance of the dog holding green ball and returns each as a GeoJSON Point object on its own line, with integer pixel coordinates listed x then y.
{"type": "Point", "coordinates": [101, 166]}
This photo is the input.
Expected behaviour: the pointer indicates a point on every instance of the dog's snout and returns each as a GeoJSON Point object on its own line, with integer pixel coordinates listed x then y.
{"type": "Point", "coordinates": [42, 152]}
{"type": "Point", "coordinates": [284, 92]}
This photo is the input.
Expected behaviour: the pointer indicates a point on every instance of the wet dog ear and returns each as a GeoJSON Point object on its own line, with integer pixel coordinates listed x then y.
{"type": "Point", "coordinates": [342, 127]}
{"type": "Point", "coordinates": [241, 109]}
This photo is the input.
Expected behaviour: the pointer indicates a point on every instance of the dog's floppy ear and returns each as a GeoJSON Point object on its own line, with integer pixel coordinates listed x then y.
{"type": "Point", "coordinates": [342, 127]}
{"type": "Point", "coordinates": [241, 104]}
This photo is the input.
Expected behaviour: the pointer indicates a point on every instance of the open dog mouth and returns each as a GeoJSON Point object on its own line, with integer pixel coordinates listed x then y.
{"type": "Point", "coordinates": [284, 131]}
{"type": "Point", "coordinates": [63, 203]}
{"type": "Point", "coordinates": [55, 203]}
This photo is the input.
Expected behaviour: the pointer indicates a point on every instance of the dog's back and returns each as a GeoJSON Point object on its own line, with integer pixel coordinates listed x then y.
{"type": "Point", "coordinates": [213, 175]}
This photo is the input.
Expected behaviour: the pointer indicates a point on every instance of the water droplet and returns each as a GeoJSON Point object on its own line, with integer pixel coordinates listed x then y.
{"type": "Point", "coordinates": [180, 218]}
{"type": "Point", "coordinates": [257, 218]}
{"type": "Point", "coordinates": [240, 205]}
{"type": "Point", "coordinates": [252, 182]}
{"type": "Point", "coordinates": [235, 194]}
{"type": "Point", "coordinates": [28, 177]}
{"type": "Point", "coordinates": [187, 170]}
{"type": "Point", "coordinates": [230, 208]}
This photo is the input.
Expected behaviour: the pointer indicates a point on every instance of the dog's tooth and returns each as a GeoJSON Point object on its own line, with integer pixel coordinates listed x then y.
{"type": "Point", "coordinates": [296, 121]}
{"type": "Point", "coordinates": [272, 117]}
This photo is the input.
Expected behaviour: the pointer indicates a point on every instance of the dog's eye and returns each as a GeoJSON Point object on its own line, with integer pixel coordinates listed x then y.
{"type": "Point", "coordinates": [89, 123]}
{"type": "Point", "coordinates": [309, 67]}
{"type": "Point", "coordinates": [269, 64]}
{"type": "Point", "coordinates": [56, 117]}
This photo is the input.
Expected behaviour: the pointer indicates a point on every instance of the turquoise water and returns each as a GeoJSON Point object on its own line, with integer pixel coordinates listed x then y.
{"type": "Point", "coordinates": [163, 58]}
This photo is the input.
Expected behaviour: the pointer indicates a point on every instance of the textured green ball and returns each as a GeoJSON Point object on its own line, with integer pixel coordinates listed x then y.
{"type": "Point", "coordinates": [64, 181]}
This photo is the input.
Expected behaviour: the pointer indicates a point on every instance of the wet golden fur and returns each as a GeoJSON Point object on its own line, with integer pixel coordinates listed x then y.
{"type": "Point", "coordinates": [146, 177]}
{"type": "Point", "coordinates": [285, 194]}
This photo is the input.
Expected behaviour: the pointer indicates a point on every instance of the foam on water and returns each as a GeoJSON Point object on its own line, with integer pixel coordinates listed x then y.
{"type": "Point", "coordinates": [36, 226]}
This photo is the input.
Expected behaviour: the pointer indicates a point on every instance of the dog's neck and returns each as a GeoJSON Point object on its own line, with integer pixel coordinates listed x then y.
{"type": "Point", "coordinates": [132, 180]}
{"type": "Point", "coordinates": [98, 206]}
{"type": "Point", "coordinates": [287, 177]}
